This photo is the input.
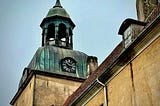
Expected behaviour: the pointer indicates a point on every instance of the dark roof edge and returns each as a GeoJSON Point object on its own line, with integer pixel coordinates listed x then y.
{"type": "Point", "coordinates": [127, 22]}
{"type": "Point", "coordinates": [21, 88]}
{"type": "Point", "coordinates": [128, 49]}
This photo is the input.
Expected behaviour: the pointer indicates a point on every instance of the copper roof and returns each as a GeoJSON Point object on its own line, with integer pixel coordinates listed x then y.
{"type": "Point", "coordinates": [58, 10]}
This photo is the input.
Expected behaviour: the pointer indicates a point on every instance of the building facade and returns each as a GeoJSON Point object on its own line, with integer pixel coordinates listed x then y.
{"type": "Point", "coordinates": [56, 70]}
{"type": "Point", "coordinates": [130, 75]}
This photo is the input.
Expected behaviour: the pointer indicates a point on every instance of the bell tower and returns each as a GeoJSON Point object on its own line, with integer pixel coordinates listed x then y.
{"type": "Point", "coordinates": [56, 70]}
{"type": "Point", "coordinates": [57, 28]}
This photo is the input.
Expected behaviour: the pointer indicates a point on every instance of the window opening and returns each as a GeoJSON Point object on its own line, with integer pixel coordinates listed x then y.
{"type": "Point", "coordinates": [51, 34]}
{"type": "Point", "coordinates": [61, 31]}
{"type": "Point", "coordinates": [62, 34]}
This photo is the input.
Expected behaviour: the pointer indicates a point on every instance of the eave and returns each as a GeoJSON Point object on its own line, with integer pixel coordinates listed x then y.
{"type": "Point", "coordinates": [136, 47]}
{"type": "Point", "coordinates": [56, 17]}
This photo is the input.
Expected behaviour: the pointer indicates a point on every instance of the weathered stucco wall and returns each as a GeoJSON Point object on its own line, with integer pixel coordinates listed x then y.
{"type": "Point", "coordinates": [138, 84]}
{"type": "Point", "coordinates": [53, 91]}
{"type": "Point", "coordinates": [97, 100]}
{"type": "Point", "coordinates": [26, 97]}
{"type": "Point", "coordinates": [146, 72]}
{"type": "Point", "coordinates": [120, 89]}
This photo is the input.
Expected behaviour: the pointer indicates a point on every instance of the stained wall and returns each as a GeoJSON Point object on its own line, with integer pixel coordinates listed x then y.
{"type": "Point", "coordinates": [26, 97]}
{"type": "Point", "coordinates": [97, 100]}
{"type": "Point", "coordinates": [51, 91]}
{"type": "Point", "coordinates": [138, 84]}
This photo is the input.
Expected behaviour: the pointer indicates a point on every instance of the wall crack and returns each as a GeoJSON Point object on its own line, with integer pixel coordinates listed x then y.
{"type": "Point", "coordinates": [133, 86]}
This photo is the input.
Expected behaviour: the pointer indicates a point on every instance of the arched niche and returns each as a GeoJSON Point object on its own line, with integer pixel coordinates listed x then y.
{"type": "Point", "coordinates": [50, 38]}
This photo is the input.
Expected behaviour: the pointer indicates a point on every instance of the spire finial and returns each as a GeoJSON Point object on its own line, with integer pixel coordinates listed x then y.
{"type": "Point", "coordinates": [58, 4]}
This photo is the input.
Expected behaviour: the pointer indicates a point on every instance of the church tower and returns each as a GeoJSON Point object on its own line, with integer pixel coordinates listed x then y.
{"type": "Point", "coordinates": [56, 70]}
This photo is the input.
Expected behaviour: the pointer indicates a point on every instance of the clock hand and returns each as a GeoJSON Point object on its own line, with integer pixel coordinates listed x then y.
{"type": "Point", "coordinates": [71, 65]}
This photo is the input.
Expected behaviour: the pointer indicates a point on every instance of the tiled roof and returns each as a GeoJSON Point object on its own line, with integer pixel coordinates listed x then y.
{"type": "Point", "coordinates": [109, 60]}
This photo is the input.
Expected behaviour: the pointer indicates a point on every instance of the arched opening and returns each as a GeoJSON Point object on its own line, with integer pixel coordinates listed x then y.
{"type": "Point", "coordinates": [62, 34]}
{"type": "Point", "coordinates": [51, 34]}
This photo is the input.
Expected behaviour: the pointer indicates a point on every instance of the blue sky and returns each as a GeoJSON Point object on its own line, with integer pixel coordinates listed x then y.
{"type": "Point", "coordinates": [97, 24]}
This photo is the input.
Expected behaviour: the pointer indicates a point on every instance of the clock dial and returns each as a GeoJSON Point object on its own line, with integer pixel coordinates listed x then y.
{"type": "Point", "coordinates": [69, 65]}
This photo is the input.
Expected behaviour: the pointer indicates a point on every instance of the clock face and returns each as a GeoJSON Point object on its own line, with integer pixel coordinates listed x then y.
{"type": "Point", "coordinates": [68, 65]}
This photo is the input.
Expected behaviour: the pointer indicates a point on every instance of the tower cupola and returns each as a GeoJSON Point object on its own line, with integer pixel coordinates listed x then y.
{"type": "Point", "coordinates": [56, 70]}
{"type": "Point", "coordinates": [57, 28]}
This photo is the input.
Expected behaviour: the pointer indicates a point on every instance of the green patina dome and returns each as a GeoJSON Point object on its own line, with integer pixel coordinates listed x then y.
{"type": "Point", "coordinates": [48, 58]}
{"type": "Point", "coordinates": [58, 10]}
